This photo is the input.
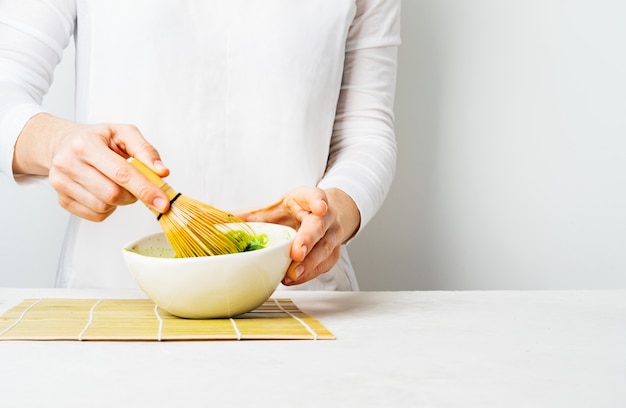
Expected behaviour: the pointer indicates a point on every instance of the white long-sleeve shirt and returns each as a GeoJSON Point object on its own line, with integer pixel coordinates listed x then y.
{"type": "Point", "coordinates": [244, 100]}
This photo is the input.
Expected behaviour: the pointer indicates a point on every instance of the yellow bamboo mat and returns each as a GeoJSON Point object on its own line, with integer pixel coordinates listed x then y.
{"type": "Point", "coordinates": [141, 319]}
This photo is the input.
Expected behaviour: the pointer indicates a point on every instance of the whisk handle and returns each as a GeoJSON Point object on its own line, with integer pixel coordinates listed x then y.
{"type": "Point", "coordinates": [147, 171]}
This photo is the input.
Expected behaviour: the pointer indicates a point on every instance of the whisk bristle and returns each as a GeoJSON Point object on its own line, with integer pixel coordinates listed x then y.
{"type": "Point", "coordinates": [197, 229]}
{"type": "Point", "coordinates": [194, 228]}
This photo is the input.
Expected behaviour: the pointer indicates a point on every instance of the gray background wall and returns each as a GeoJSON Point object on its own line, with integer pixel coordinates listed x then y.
{"type": "Point", "coordinates": [511, 124]}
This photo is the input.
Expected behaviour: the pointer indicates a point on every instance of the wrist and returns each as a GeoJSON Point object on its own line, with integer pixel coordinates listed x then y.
{"type": "Point", "coordinates": [37, 143]}
{"type": "Point", "coordinates": [348, 212]}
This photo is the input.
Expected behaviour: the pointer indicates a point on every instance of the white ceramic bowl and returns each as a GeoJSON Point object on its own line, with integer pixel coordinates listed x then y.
{"type": "Point", "coordinates": [210, 286]}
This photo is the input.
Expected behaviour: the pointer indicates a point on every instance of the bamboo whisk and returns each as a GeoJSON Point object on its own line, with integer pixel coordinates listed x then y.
{"type": "Point", "coordinates": [194, 228]}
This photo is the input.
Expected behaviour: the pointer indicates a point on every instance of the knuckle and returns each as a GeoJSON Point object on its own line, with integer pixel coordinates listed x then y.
{"type": "Point", "coordinates": [122, 128]}
{"type": "Point", "coordinates": [59, 165]}
{"type": "Point", "coordinates": [64, 201]}
{"type": "Point", "coordinates": [99, 217]}
{"type": "Point", "coordinates": [340, 234]}
{"type": "Point", "coordinates": [327, 247]}
{"type": "Point", "coordinates": [144, 193]}
{"type": "Point", "coordinates": [130, 127]}
{"type": "Point", "coordinates": [122, 174]}
{"type": "Point", "coordinates": [56, 182]}
{"type": "Point", "coordinates": [146, 146]}
{"type": "Point", "coordinates": [78, 145]}
{"type": "Point", "coordinates": [98, 207]}
{"type": "Point", "coordinates": [110, 196]}
{"type": "Point", "coordinates": [101, 211]}
{"type": "Point", "coordinates": [327, 263]}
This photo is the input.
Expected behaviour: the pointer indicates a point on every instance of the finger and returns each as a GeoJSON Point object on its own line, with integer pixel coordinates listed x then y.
{"type": "Point", "coordinates": [323, 252]}
{"type": "Point", "coordinates": [304, 200]}
{"type": "Point", "coordinates": [129, 142]}
{"type": "Point", "coordinates": [275, 213]}
{"type": "Point", "coordinates": [291, 209]}
{"type": "Point", "coordinates": [83, 204]}
{"type": "Point", "coordinates": [107, 153]}
{"type": "Point", "coordinates": [127, 176]}
{"type": "Point", "coordinates": [99, 186]}
{"type": "Point", "coordinates": [320, 251]}
{"type": "Point", "coordinates": [299, 273]}
{"type": "Point", "coordinates": [79, 201]}
{"type": "Point", "coordinates": [78, 209]}
{"type": "Point", "coordinates": [312, 229]}
{"type": "Point", "coordinates": [294, 271]}
{"type": "Point", "coordinates": [114, 166]}
{"type": "Point", "coordinates": [86, 184]}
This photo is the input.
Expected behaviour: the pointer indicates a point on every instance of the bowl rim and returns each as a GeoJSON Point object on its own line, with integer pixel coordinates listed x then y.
{"type": "Point", "coordinates": [127, 248]}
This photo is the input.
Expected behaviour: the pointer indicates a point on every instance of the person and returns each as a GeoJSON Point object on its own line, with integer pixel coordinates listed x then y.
{"type": "Point", "coordinates": [278, 111]}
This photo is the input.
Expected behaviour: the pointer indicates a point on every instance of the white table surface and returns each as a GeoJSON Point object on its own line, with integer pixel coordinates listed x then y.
{"type": "Point", "coordinates": [393, 349]}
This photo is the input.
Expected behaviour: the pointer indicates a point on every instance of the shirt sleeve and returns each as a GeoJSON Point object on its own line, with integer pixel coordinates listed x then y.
{"type": "Point", "coordinates": [33, 35]}
{"type": "Point", "coordinates": [363, 151]}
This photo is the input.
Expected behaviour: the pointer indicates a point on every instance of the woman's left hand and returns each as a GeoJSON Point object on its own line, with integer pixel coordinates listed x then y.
{"type": "Point", "coordinates": [324, 219]}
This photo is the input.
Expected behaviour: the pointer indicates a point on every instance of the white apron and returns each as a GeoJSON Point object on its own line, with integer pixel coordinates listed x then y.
{"type": "Point", "coordinates": [241, 98]}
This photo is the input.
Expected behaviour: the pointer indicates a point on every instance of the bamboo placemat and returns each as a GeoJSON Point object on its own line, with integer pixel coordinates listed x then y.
{"type": "Point", "coordinates": [141, 319]}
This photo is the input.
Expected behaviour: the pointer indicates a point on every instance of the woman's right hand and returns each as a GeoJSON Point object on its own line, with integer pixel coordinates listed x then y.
{"type": "Point", "coordinates": [87, 166]}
